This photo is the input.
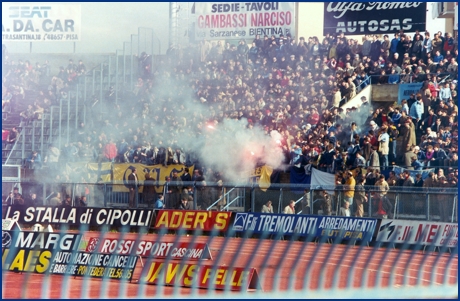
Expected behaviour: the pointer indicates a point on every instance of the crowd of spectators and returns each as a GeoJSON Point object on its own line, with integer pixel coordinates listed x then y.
{"type": "Point", "coordinates": [276, 83]}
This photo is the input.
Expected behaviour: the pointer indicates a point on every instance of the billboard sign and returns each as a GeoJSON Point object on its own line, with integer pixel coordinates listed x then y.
{"type": "Point", "coordinates": [35, 22]}
{"type": "Point", "coordinates": [342, 227]}
{"type": "Point", "coordinates": [233, 20]}
{"type": "Point", "coordinates": [418, 232]}
{"type": "Point", "coordinates": [355, 18]}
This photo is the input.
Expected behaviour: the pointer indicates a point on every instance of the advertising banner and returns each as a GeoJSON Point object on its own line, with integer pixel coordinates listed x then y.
{"type": "Point", "coordinates": [342, 227]}
{"type": "Point", "coordinates": [356, 18]}
{"type": "Point", "coordinates": [75, 216]}
{"type": "Point", "coordinates": [193, 219]}
{"type": "Point", "coordinates": [157, 172]}
{"type": "Point", "coordinates": [46, 22]}
{"type": "Point", "coordinates": [149, 248]}
{"type": "Point", "coordinates": [234, 20]}
{"type": "Point", "coordinates": [405, 90]}
{"type": "Point", "coordinates": [203, 276]}
{"type": "Point", "coordinates": [34, 251]}
{"type": "Point", "coordinates": [111, 266]}
{"type": "Point", "coordinates": [418, 232]}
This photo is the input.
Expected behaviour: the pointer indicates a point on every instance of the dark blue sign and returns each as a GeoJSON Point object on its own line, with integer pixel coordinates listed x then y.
{"type": "Point", "coordinates": [306, 225]}
{"type": "Point", "coordinates": [358, 18]}
{"type": "Point", "coordinates": [405, 90]}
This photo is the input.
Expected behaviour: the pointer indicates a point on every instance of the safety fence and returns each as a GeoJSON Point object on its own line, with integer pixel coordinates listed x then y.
{"type": "Point", "coordinates": [399, 202]}
{"type": "Point", "coordinates": [225, 254]}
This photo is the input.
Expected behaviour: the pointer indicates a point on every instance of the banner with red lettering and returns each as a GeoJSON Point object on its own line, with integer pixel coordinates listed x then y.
{"type": "Point", "coordinates": [193, 219]}
{"type": "Point", "coordinates": [149, 248]}
{"type": "Point", "coordinates": [234, 20]}
{"type": "Point", "coordinates": [418, 232]}
{"type": "Point", "coordinates": [202, 276]}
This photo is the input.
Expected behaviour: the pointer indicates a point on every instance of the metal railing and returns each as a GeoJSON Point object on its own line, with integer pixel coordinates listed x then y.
{"type": "Point", "coordinates": [431, 204]}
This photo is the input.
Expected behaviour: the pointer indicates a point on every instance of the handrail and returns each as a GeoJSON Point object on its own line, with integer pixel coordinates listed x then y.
{"type": "Point", "coordinates": [229, 203]}
{"type": "Point", "coordinates": [222, 197]}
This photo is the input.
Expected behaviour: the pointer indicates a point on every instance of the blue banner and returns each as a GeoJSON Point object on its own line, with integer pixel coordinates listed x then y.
{"type": "Point", "coordinates": [297, 176]}
{"type": "Point", "coordinates": [405, 90]}
{"type": "Point", "coordinates": [398, 170]}
{"type": "Point", "coordinates": [345, 228]}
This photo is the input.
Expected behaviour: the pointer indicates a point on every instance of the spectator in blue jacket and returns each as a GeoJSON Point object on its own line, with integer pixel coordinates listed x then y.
{"type": "Point", "coordinates": [393, 78]}
{"type": "Point", "coordinates": [438, 57]}
{"type": "Point", "coordinates": [416, 110]}
{"type": "Point", "coordinates": [34, 160]}
{"type": "Point", "coordinates": [416, 164]}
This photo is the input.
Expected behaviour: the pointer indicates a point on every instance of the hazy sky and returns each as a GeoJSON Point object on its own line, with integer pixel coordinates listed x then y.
{"type": "Point", "coordinates": [105, 26]}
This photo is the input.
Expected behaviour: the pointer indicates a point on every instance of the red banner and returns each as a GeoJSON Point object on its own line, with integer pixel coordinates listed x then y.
{"type": "Point", "coordinates": [203, 276]}
{"type": "Point", "coordinates": [193, 219]}
{"type": "Point", "coordinates": [147, 248]}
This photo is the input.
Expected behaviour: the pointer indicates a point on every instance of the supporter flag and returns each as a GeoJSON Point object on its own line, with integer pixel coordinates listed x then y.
{"type": "Point", "coordinates": [324, 179]}
{"type": "Point", "coordinates": [92, 172]}
{"type": "Point", "coordinates": [157, 172]}
{"type": "Point", "coordinates": [264, 176]}
{"type": "Point", "coordinates": [413, 173]}
{"type": "Point", "coordinates": [99, 172]}
{"type": "Point", "coordinates": [298, 176]}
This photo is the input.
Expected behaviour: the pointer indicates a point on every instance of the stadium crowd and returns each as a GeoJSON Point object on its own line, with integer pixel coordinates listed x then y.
{"type": "Point", "coordinates": [296, 88]}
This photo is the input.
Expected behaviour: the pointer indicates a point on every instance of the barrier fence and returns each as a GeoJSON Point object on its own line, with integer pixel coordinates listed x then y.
{"type": "Point", "coordinates": [399, 202]}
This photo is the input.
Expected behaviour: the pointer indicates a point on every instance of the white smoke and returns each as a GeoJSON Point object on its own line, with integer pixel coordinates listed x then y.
{"type": "Point", "coordinates": [236, 150]}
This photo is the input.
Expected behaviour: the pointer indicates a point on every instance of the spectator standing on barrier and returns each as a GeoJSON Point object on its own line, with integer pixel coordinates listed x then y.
{"type": "Point", "coordinates": [12, 135]}
{"type": "Point", "coordinates": [18, 200]}
{"type": "Point", "coordinates": [52, 158]}
{"type": "Point", "coordinates": [149, 191]}
{"type": "Point", "coordinates": [306, 202]}
{"type": "Point", "coordinates": [32, 200]}
{"type": "Point", "coordinates": [82, 202]}
{"type": "Point", "coordinates": [133, 185]}
{"type": "Point", "coordinates": [290, 209]}
{"type": "Point", "coordinates": [176, 188]}
{"type": "Point", "coordinates": [56, 199]}
{"type": "Point", "coordinates": [159, 204]}
{"type": "Point", "coordinates": [383, 148]}
{"type": "Point", "coordinates": [34, 161]}
{"type": "Point", "coordinates": [186, 177]}
{"type": "Point", "coordinates": [345, 209]}
{"type": "Point", "coordinates": [267, 207]}
{"type": "Point", "coordinates": [384, 207]}
{"type": "Point", "coordinates": [349, 187]}
{"type": "Point", "coordinates": [360, 197]}
{"type": "Point", "coordinates": [326, 203]}
{"type": "Point", "coordinates": [444, 200]}
{"type": "Point", "coordinates": [182, 205]}
{"type": "Point", "coordinates": [382, 186]}
{"type": "Point", "coordinates": [408, 183]}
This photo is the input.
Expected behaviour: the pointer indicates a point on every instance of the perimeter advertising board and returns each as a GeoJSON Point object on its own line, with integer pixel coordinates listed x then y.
{"type": "Point", "coordinates": [55, 253]}
{"type": "Point", "coordinates": [203, 276]}
{"type": "Point", "coordinates": [149, 248]}
{"type": "Point", "coordinates": [418, 232]}
{"type": "Point", "coordinates": [233, 20]}
{"type": "Point", "coordinates": [76, 216]}
{"type": "Point", "coordinates": [355, 18]}
{"type": "Point", "coordinates": [193, 220]}
{"type": "Point", "coordinates": [306, 225]}
{"type": "Point", "coordinates": [41, 22]}
{"type": "Point", "coordinates": [34, 251]}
